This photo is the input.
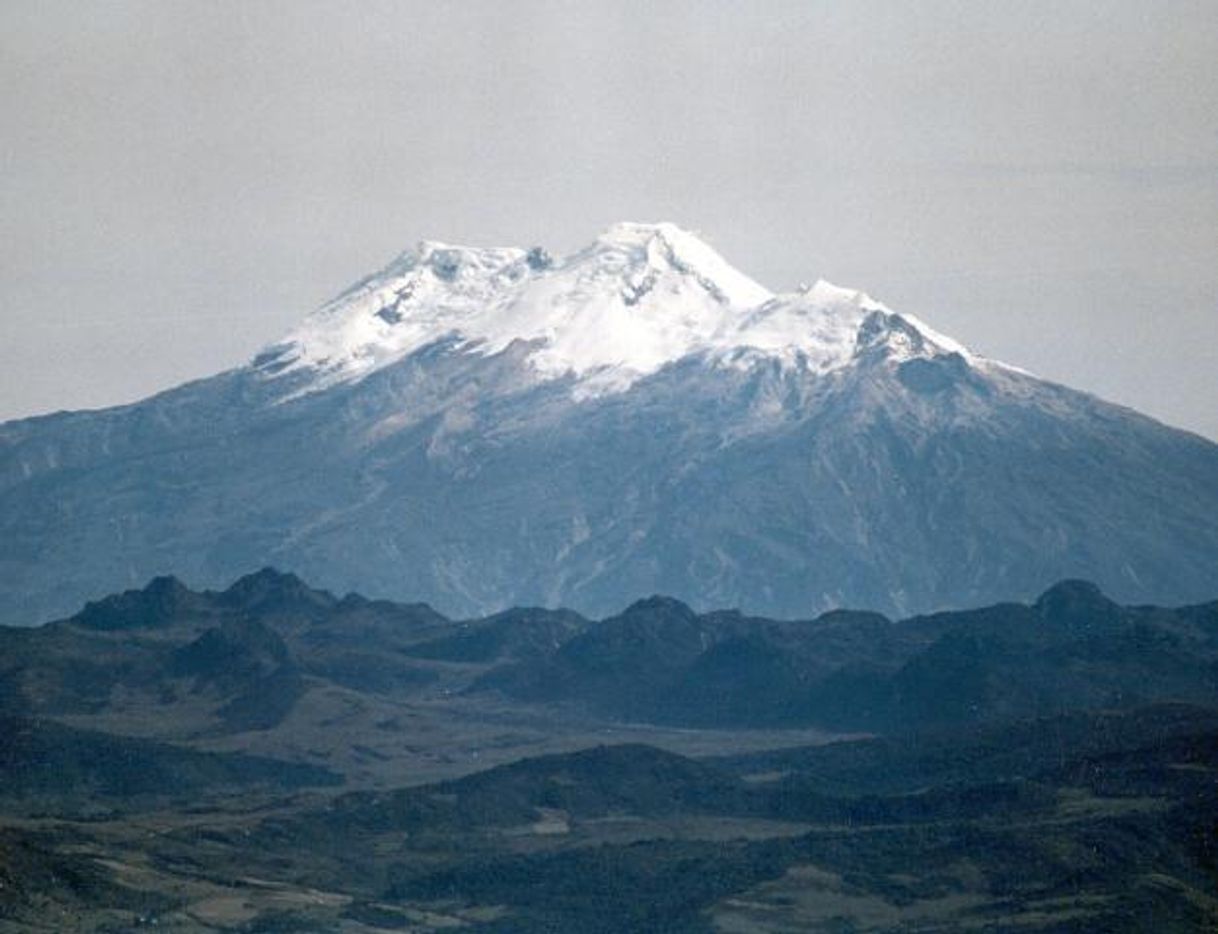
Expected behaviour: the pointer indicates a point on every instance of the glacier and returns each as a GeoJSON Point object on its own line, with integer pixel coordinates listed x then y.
{"type": "Point", "coordinates": [642, 296]}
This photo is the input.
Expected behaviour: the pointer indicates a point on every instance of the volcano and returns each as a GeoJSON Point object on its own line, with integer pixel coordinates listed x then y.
{"type": "Point", "coordinates": [482, 428]}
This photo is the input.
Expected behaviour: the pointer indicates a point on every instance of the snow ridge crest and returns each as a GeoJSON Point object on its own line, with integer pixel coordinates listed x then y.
{"type": "Point", "coordinates": [639, 297]}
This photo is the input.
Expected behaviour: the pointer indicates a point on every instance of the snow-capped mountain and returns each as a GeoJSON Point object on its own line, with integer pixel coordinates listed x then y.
{"type": "Point", "coordinates": [481, 428]}
{"type": "Point", "coordinates": [641, 297]}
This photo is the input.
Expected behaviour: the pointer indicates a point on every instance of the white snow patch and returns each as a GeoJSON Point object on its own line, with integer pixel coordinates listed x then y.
{"type": "Point", "coordinates": [639, 297]}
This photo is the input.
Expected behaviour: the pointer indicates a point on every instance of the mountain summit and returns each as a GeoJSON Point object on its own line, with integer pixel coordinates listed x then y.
{"type": "Point", "coordinates": [640, 297]}
{"type": "Point", "coordinates": [480, 428]}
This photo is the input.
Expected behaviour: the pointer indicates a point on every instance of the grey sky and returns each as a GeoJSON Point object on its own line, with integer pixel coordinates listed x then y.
{"type": "Point", "coordinates": [182, 181]}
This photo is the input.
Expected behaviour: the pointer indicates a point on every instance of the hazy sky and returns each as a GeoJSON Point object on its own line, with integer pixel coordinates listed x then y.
{"type": "Point", "coordinates": [183, 181]}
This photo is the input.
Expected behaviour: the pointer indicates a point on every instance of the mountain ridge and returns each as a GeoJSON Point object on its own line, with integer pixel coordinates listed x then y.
{"type": "Point", "coordinates": [241, 660]}
{"type": "Point", "coordinates": [881, 466]}
{"type": "Point", "coordinates": [640, 297]}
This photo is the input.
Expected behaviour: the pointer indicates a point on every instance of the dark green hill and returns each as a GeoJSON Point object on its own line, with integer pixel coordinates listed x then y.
{"type": "Point", "coordinates": [517, 634]}
{"type": "Point", "coordinates": [1024, 749]}
{"type": "Point", "coordinates": [46, 760]}
{"type": "Point", "coordinates": [1072, 649]}
{"type": "Point", "coordinates": [1115, 833]}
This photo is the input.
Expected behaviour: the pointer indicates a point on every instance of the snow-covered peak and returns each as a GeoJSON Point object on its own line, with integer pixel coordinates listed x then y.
{"type": "Point", "coordinates": [639, 297]}
{"type": "Point", "coordinates": [666, 247]}
{"type": "Point", "coordinates": [826, 294]}
{"type": "Point", "coordinates": [818, 325]}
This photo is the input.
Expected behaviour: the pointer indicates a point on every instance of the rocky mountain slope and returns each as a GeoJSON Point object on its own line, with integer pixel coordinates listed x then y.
{"type": "Point", "coordinates": [483, 428]}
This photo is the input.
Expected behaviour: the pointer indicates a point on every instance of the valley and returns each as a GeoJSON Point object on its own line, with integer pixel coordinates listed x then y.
{"type": "Point", "coordinates": [214, 761]}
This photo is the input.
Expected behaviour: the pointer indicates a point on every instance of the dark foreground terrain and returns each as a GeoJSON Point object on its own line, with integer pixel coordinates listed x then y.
{"type": "Point", "coordinates": [273, 758]}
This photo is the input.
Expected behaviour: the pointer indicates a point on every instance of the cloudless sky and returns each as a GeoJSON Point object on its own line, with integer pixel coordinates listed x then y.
{"type": "Point", "coordinates": [180, 182]}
